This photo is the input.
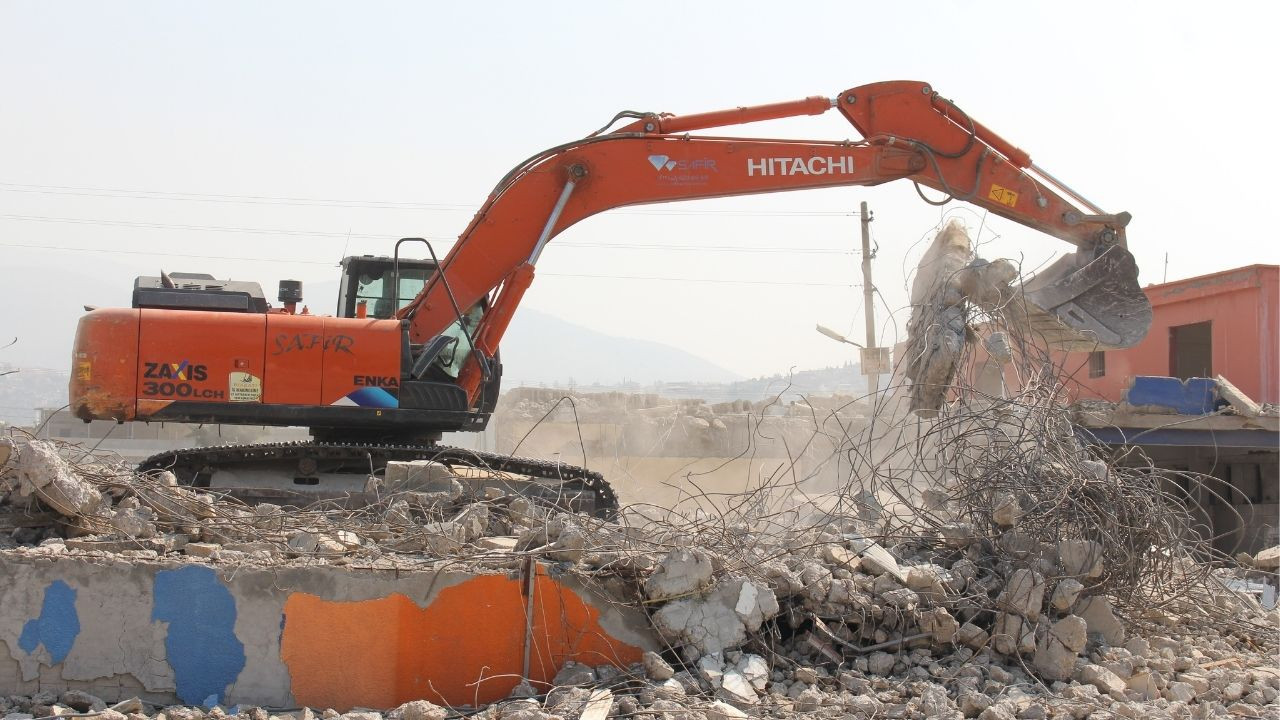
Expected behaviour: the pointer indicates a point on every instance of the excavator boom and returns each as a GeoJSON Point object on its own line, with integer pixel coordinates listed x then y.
{"type": "Point", "coordinates": [1091, 298]}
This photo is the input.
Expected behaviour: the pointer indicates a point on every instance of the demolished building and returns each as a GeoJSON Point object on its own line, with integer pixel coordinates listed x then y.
{"type": "Point", "coordinates": [985, 561]}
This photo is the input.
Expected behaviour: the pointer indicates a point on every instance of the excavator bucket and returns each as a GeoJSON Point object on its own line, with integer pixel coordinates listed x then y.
{"type": "Point", "coordinates": [1085, 301]}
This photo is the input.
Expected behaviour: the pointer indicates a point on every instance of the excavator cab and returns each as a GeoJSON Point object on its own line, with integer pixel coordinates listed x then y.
{"type": "Point", "coordinates": [367, 288]}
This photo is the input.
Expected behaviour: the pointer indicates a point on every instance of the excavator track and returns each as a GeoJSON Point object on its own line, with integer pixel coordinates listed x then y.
{"type": "Point", "coordinates": [567, 487]}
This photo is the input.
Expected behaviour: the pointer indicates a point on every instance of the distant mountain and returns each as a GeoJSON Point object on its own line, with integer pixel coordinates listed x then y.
{"type": "Point", "coordinates": [540, 348]}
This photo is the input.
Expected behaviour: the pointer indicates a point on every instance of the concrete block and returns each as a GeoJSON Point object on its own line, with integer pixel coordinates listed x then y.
{"type": "Point", "coordinates": [1101, 619]}
{"type": "Point", "coordinates": [201, 550]}
{"type": "Point", "coordinates": [656, 668]}
{"type": "Point", "coordinates": [1243, 404]}
{"type": "Point", "coordinates": [44, 474]}
{"type": "Point", "coordinates": [1080, 558]}
{"type": "Point", "coordinates": [1101, 678]}
{"type": "Point", "coordinates": [1268, 559]}
{"type": "Point", "coordinates": [681, 572]}
{"type": "Point", "coordinates": [167, 631]}
{"type": "Point", "coordinates": [498, 543]}
{"type": "Point", "coordinates": [719, 710]}
{"type": "Point", "coordinates": [1057, 651]}
{"type": "Point", "coordinates": [419, 476]}
{"type": "Point", "coordinates": [1065, 594]}
{"type": "Point", "coordinates": [598, 705]}
{"type": "Point", "coordinates": [876, 560]}
{"type": "Point", "coordinates": [1023, 594]}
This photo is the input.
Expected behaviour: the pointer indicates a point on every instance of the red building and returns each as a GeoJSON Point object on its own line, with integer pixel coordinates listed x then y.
{"type": "Point", "coordinates": [1224, 323]}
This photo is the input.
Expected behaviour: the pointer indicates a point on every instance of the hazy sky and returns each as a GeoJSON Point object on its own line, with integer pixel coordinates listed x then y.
{"type": "Point", "coordinates": [172, 134]}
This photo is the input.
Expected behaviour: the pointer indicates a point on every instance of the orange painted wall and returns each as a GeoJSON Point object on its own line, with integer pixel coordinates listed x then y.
{"type": "Point", "coordinates": [465, 647]}
{"type": "Point", "coordinates": [1242, 304]}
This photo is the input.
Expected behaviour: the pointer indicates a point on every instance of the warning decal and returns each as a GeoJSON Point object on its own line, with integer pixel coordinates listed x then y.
{"type": "Point", "coordinates": [1003, 195]}
{"type": "Point", "coordinates": [244, 387]}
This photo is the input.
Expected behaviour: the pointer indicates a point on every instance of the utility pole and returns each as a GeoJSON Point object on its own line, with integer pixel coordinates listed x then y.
{"type": "Point", "coordinates": [868, 304]}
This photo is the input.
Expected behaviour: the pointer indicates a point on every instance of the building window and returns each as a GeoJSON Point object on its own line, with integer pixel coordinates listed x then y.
{"type": "Point", "coordinates": [1191, 351]}
{"type": "Point", "coordinates": [1097, 364]}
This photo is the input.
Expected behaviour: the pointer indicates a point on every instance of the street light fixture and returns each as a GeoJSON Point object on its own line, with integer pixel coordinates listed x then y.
{"type": "Point", "coordinates": [836, 336]}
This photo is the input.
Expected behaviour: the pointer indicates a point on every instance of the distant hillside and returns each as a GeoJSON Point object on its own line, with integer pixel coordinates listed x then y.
{"type": "Point", "coordinates": [846, 379]}
{"type": "Point", "coordinates": [22, 390]}
{"type": "Point", "coordinates": [543, 349]}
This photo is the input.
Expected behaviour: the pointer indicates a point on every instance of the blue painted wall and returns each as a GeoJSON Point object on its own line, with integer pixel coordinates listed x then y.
{"type": "Point", "coordinates": [57, 626]}
{"type": "Point", "coordinates": [202, 647]}
{"type": "Point", "coordinates": [1195, 396]}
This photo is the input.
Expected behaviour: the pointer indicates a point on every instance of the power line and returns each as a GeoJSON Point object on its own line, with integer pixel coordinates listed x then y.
{"type": "Point", "coordinates": [112, 251]}
{"type": "Point", "coordinates": [230, 199]}
{"type": "Point", "coordinates": [133, 194]}
{"type": "Point", "coordinates": [200, 228]}
{"type": "Point", "coordinates": [442, 238]}
{"type": "Point", "coordinates": [707, 248]}
{"type": "Point", "coordinates": [702, 280]}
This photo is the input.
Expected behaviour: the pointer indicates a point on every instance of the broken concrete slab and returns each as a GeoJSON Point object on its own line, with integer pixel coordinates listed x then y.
{"type": "Point", "coordinates": [841, 556]}
{"type": "Point", "coordinates": [1101, 618]}
{"type": "Point", "coordinates": [719, 710]}
{"type": "Point", "coordinates": [720, 619]}
{"type": "Point", "coordinates": [418, 710]}
{"type": "Point", "coordinates": [1057, 651]}
{"type": "Point", "coordinates": [1243, 404]}
{"type": "Point", "coordinates": [1023, 594]}
{"type": "Point", "coordinates": [598, 705]}
{"type": "Point", "coordinates": [755, 669]}
{"type": "Point", "coordinates": [940, 624]}
{"type": "Point", "coordinates": [875, 559]}
{"type": "Point", "coordinates": [1268, 559]}
{"type": "Point", "coordinates": [682, 572]}
{"type": "Point", "coordinates": [971, 636]}
{"type": "Point", "coordinates": [44, 474]}
{"type": "Point", "coordinates": [201, 550]}
{"type": "Point", "coordinates": [1005, 511]}
{"type": "Point", "coordinates": [1101, 678]}
{"type": "Point", "coordinates": [1080, 558]}
{"type": "Point", "coordinates": [656, 668]}
{"type": "Point", "coordinates": [735, 687]}
{"type": "Point", "coordinates": [1013, 634]}
{"type": "Point", "coordinates": [425, 476]}
{"type": "Point", "coordinates": [1065, 594]}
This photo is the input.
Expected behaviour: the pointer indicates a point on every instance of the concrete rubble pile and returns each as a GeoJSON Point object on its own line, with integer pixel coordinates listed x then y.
{"type": "Point", "coordinates": [774, 619]}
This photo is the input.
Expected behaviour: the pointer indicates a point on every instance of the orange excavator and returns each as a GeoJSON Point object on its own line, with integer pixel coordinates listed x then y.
{"type": "Point", "coordinates": [412, 351]}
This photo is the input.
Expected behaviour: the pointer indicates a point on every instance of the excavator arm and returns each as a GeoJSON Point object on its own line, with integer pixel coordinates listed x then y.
{"type": "Point", "coordinates": [908, 132]}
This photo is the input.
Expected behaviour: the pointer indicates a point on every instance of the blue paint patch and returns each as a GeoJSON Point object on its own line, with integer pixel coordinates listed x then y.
{"type": "Point", "coordinates": [57, 626]}
{"type": "Point", "coordinates": [1194, 396]}
{"type": "Point", "coordinates": [201, 643]}
{"type": "Point", "coordinates": [373, 397]}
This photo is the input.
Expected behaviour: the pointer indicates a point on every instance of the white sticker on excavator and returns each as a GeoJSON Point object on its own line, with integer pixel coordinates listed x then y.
{"type": "Point", "coordinates": [244, 387]}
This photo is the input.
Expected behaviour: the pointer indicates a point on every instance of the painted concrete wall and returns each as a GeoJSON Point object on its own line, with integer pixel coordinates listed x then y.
{"type": "Point", "coordinates": [1242, 304]}
{"type": "Point", "coordinates": [318, 636]}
